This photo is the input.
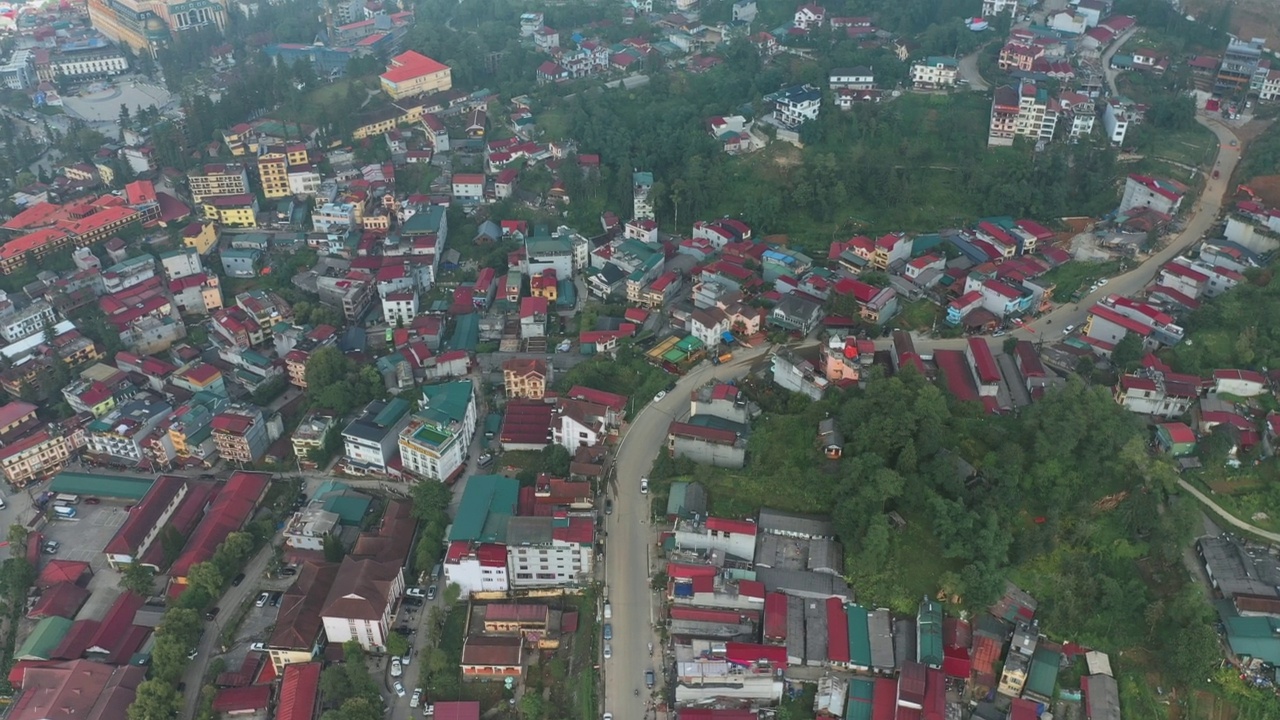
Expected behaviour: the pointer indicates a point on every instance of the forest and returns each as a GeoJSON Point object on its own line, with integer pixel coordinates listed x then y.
{"type": "Point", "coordinates": [1235, 330]}
{"type": "Point", "coordinates": [1064, 499]}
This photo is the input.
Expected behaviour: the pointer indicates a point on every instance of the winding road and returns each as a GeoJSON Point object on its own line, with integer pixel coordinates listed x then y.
{"type": "Point", "coordinates": [1226, 516]}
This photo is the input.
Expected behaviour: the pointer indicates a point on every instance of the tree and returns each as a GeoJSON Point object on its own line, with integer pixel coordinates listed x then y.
{"type": "Point", "coordinates": [18, 538]}
{"type": "Point", "coordinates": [205, 577]}
{"type": "Point", "coordinates": [154, 700]}
{"type": "Point", "coordinates": [334, 552]}
{"type": "Point", "coordinates": [452, 592]}
{"type": "Point", "coordinates": [397, 645]}
{"type": "Point", "coordinates": [1127, 352]}
{"type": "Point", "coordinates": [138, 578]}
{"type": "Point", "coordinates": [171, 542]}
{"type": "Point", "coordinates": [335, 685]}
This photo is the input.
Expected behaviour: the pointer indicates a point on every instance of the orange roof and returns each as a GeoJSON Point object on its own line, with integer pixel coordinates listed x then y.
{"type": "Point", "coordinates": [34, 216]}
{"type": "Point", "coordinates": [140, 191]}
{"type": "Point", "coordinates": [30, 242]}
{"type": "Point", "coordinates": [100, 219]}
{"type": "Point", "coordinates": [410, 65]}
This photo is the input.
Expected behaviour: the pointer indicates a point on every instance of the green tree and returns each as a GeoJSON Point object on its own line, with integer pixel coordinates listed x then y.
{"type": "Point", "coordinates": [1127, 353]}
{"type": "Point", "coordinates": [397, 645]}
{"type": "Point", "coordinates": [154, 700]}
{"type": "Point", "coordinates": [334, 551]}
{"type": "Point", "coordinates": [138, 578]}
{"type": "Point", "coordinates": [205, 577]}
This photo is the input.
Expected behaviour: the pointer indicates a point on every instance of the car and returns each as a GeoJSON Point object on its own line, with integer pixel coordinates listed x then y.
{"type": "Point", "coordinates": [998, 333]}
{"type": "Point", "coordinates": [431, 593]}
{"type": "Point", "coordinates": [415, 592]}
{"type": "Point", "coordinates": [1235, 143]}
{"type": "Point", "coordinates": [2, 504]}
{"type": "Point", "coordinates": [276, 597]}
{"type": "Point", "coordinates": [399, 688]}
{"type": "Point", "coordinates": [608, 631]}
{"type": "Point", "coordinates": [412, 602]}
{"type": "Point", "coordinates": [608, 716]}
{"type": "Point", "coordinates": [1102, 281]}
{"type": "Point", "coordinates": [257, 647]}
{"type": "Point", "coordinates": [484, 460]}
{"type": "Point", "coordinates": [211, 613]}
{"type": "Point", "coordinates": [644, 486]}
{"type": "Point", "coordinates": [92, 501]}
{"type": "Point", "coordinates": [235, 581]}
{"type": "Point", "coordinates": [404, 659]}
{"type": "Point", "coordinates": [288, 572]}
{"type": "Point", "coordinates": [51, 547]}
{"type": "Point", "coordinates": [396, 668]}
{"type": "Point", "coordinates": [661, 394]}
{"type": "Point", "coordinates": [416, 698]}
{"type": "Point", "coordinates": [262, 599]}
{"type": "Point", "coordinates": [192, 654]}
{"type": "Point", "coordinates": [608, 507]}
{"type": "Point", "coordinates": [671, 386]}
{"type": "Point", "coordinates": [649, 678]}
{"type": "Point", "coordinates": [608, 651]}
{"type": "Point", "coordinates": [1067, 330]}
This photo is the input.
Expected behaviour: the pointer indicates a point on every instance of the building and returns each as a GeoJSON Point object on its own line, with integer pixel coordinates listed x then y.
{"type": "Point", "coordinates": [794, 106]}
{"type": "Point", "coordinates": [935, 73]}
{"type": "Point", "coordinates": [142, 526]}
{"type": "Point", "coordinates": [240, 434]}
{"type": "Point", "coordinates": [218, 180]}
{"type": "Point", "coordinates": [642, 205]}
{"type": "Point", "coordinates": [146, 26]}
{"type": "Point", "coordinates": [123, 433]}
{"type": "Point", "coordinates": [360, 602]}
{"type": "Point", "coordinates": [411, 73]}
{"type": "Point", "coordinates": [550, 551]}
{"type": "Point", "coordinates": [77, 688]}
{"type": "Point", "coordinates": [1026, 111]}
{"type": "Point", "coordinates": [525, 378]}
{"type": "Point", "coordinates": [310, 435]}
{"type": "Point", "coordinates": [1162, 195]}
{"type": "Point", "coordinates": [436, 441]}
{"type": "Point", "coordinates": [370, 441]}
{"type": "Point", "coordinates": [34, 318]}
{"type": "Point", "coordinates": [1118, 115]}
{"type": "Point", "coordinates": [476, 558]}
{"type": "Point", "coordinates": [34, 457]}
{"type": "Point", "coordinates": [1238, 67]}
{"type": "Point", "coordinates": [721, 448]}
{"type": "Point", "coordinates": [995, 8]}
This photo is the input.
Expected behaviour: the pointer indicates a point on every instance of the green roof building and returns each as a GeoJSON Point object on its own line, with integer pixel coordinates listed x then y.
{"type": "Point", "coordinates": [349, 507]}
{"type": "Point", "coordinates": [434, 444]}
{"type": "Point", "coordinates": [116, 487]}
{"type": "Point", "coordinates": [1043, 675]}
{"type": "Point", "coordinates": [487, 504]}
{"type": "Point", "coordinates": [44, 639]}
{"type": "Point", "coordinates": [929, 634]}
{"type": "Point", "coordinates": [686, 499]}
{"type": "Point", "coordinates": [859, 639]}
{"type": "Point", "coordinates": [1254, 637]}
{"type": "Point", "coordinates": [861, 693]}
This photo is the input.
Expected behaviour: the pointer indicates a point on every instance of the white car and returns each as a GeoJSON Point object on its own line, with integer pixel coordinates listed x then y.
{"type": "Point", "coordinates": [661, 394]}
{"type": "Point", "coordinates": [644, 486]}
{"type": "Point", "coordinates": [416, 698]}
{"type": "Point", "coordinates": [396, 668]}
{"type": "Point", "coordinates": [1102, 281]}
{"type": "Point", "coordinates": [262, 599]}
{"type": "Point", "coordinates": [399, 688]}
{"type": "Point", "coordinates": [415, 592]}
{"type": "Point", "coordinates": [258, 647]}
{"type": "Point", "coordinates": [1067, 330]}
{"type": "Point", "coordinates": [608, 651]}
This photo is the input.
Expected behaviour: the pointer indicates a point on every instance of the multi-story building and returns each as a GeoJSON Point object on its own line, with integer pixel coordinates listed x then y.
{"type": "Point", "coordinates": [525, 378]}
{"type": "Point", "coordinates": [1118, 114]}
{"type": "Point", "coordinates": [1077, 114]}
{"type": "Point", "coordinates": [240, 434]}
{"type": "Point", "coordinates": [360, 602]}
{"type": "Point", "coordinates": [1025, 111]}
{"type": "Point", "coordinates": [34, 318]}
{"type": "Point", "coordinates": [400, 307]}
{"type": "Point", "coordinates": [435, 443]}
{"type": "Point", "coordinates": [547, 551]}
{"type": "Point", "coordinates": [88, 59]}
{"type": "Point", "coordinates": [34, 457]}
{"type": "Point", "coordinates": [995, 8]}
{"type": "Point", "coordinates": [412, 73]}
{"type": "Point", "coordinates": [642, 206]}
{"type": "Point", "coordinates": [273, 173]}
{"type": "Point", "coordinates": [218, 180]}
{"type": "Point", "coordinates": [1160, 194]}
{"type": "Point", "coordinates": [121, 434]}
{"type": "Point", "coordinates": [370, 441]}
{"type": "Point", "coordinates": [1239, 65]}
{"type": "Point", "coordinates": [794, 106]}
{"type": "Point", "coordinates": [20, 72]}
{"type": "Point", "coordinates": [310, 435]}
{"type": "Point", "coordinates": [934, 73]}
{"type": "Point", "coordinates": [232, 210]}
{"type": "Point", "coordinates": [146, 25]}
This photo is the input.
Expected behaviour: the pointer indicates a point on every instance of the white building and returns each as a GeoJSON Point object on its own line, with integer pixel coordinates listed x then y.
{"type": "Point", "coordinates": [994, 8]}
{"type": "Point", "coordinates": [709, 325]}
{"type": "Point", "coordinates": [796, 105]}
{"type": "Point", "coordinates": [182, 263]}
{"type": "Point", "coordinates": [476, 568]}
{"type": "Point", "coordinates": [434, 444]}
{"type": "Point", "coordinates": [1117, 116]}
{"type": "Point", "coordinates": [731, 537]}
{"type": "Point", "coordinates": [81, 65]}
{"type": "Point", "coordinates": [307, 530]}
{"type": "Point", "coordinates": [360, 602]}
{"type": "Point", "coordinates": [857, 78]}
{"type": "Point", "coordinates": [935, 72]}
{"type": "Point", "coordinates": [28, 321]}
{"type": "Point", "coordinates": [20, 72]}
{"type": "Point", "coordinates": [1077, 114]}
{"type": "Point", "coordinates": [400, 307]}
{"type": "Point", "coordinates": [1163, 196]}
{"type": "Point", "coordinates": [370, 441]}
{"type": "Point", "coordinates": [331, 217]}
{"type": "Point", "coordinates": [642, 205]}
{"type": "Point", "coordinates": [545, 551]}
{"type": "Point", "coordinates": [304, 182]}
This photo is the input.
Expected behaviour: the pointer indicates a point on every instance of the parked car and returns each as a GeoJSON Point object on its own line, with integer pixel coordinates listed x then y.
{"type": "Point", "coordinates": [92, 501]}
{"type": "Point", "coordinates": [262, 599]}
{"type": "Point", "coordinates": [276, 597]}
{"type": "Point", "coordinates": [257, 647]}
{"type": "Point", "coordinates": [288, 572]}
{"type": "Point", "coordinates": [412, 602]}
{"type": "Point", "coordinates": [1067, 330]}
{"type": "Point", "coordinates": [414, 592]}
{"type": "Point", "coordinates": [644, 486]}
{"type": "Point", "coordinates": [608, 507]}
{"type": "Point", "coordinates": [399, 688]}
{"type": "Point", "coordinates": [608, 651]}
{"type": "Point", "coordinates": [415, 698]}
{"type": "Point", "coordinates": [396, 669]}
{"type": "Point", "coordinates": [211, 613]}
{"type": "Point", "coordinates": [608, 631]}
{"type": "Point", "coordinates": [431, 593]}
{"type": "Point", "coordinates": [661, 394]}
{"type": "Point", "coordinates": [649, 678]}
{"type": "Point", "coordinates": [235, 581]}
{"type": "Point", "coordinates": [192, 655]}
{"type": "Point", "coordinates": [404, 660]}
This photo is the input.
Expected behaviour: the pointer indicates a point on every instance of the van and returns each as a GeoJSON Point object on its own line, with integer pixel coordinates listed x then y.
{"type": "Point", "coordinates": [64, 511]}
{"type": "Point", "coordinates": [608, 611]}
{"type": "Point", "coordinates": [435, 571]}
{"type": "Point", "coordinates": [67, 498]}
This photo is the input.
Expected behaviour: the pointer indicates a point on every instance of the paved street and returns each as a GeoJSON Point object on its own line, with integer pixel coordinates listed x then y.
{"type": "Point", "coordinates": [1224, 515]}
{"type": "Point", "coordinates": [630, 542]}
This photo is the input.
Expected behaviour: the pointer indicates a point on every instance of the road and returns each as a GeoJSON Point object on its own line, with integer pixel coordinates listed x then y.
{"type": "Point", "coordinates": [1224, 515]}
{"type": "Point", "coordinates": [968, 69]}
{"type": "Point", "coordinates": [1109, 53]}
{"type": "Point", "coordinates": [227, 604]}
{"type": "Point", "coordinates": [630, 541]}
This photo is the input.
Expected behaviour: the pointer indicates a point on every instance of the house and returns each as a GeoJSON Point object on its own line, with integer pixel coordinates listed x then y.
{"type": "Point", "coordinates": [436, 442]}
{"type": "Point", "coordinates": [709, 325]}
{"type": "Point", "coordinates": [810, 17]}
{"type": "Point", "coordinates": [744, 11]}
{"type": "Point", "coordinates": [1151, 392]}
{"type": "Point", "coordinates": [796, 314]}
{"type": "Point", "coordinates": [468, 187]}
{"type": "Point", "coordinates": [525, 378]}
{"type": "Point", "coordinates": [1176, 438]}
{"type": "Point", "coordinates": [1240, 383]}
{"type": "Point", "coordinates": [856, 78]}
{"type": "Point", "coordinates": [794, 373]}
{"type": "Point", "coordinates": [721, 448]}
{"type": "Point", "coordinates": [492, 656]}
{"type": "Point", "coordinates": [533, 317]}
{"type": "Point", "coordinates": [1142, 191]}
{"type": "Point", "coordinates": [360, 602]}
{"type": "Point", "coordinates": [796, 105]}
{"type": "Point", "coordinates": [550, 551]}
{"type": "Point", "coordinates": [411, 73]}
{"type": "Point", "coordinates": [830, 439]}
{"type": "Point", "coordinates": [935, 73]}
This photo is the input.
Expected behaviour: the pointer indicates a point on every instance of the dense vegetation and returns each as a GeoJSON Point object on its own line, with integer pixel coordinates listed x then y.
{"type": "Point", "coordinates": [1234, 331]}
{"type": "Point", "coordinates": [1064, 499]}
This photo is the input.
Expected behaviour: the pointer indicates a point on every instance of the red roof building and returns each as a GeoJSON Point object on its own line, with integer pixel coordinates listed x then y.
{"type": "Point", "coordinates": [229, 511]}
{"type": "Point", "coordinates": [837, 632]}
{"type": "Point", "coordinates": [235, 700]}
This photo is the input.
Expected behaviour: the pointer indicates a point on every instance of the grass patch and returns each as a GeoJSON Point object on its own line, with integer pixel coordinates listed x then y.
{"type": "Point", "coordinates": [918, 315]}
{"type": "Point", "coordinates": [1245, 492]}
{"type": "Point", "coordinates": [1075, 275]}
{"type": "Point", "coordinates": [1195, 146]}
{"type": "Point", "coordinates": [228, 636]}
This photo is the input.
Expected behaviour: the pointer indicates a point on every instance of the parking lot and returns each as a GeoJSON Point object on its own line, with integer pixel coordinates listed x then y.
{"type": "Point", "coordinates": [83, 539]}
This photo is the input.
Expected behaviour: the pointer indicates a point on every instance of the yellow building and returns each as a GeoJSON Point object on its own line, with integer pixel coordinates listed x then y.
{"type": "Point", "coordinates": [106, 172]}
{"type": "Point", "coordinates": [233, 211]}
{"type": "Point", "coordinates": [544, 285]}
{"type": "Point", "coordinates": [145, 25]}
{"type": "Point", "coordinates": [200, 236]}
{"type": "Point", "coordinates": [218, 180]}
{"type": "Point", "coordinates": [273, 172]}
{"type": "Point", "coordinates": [33, 457]}
{"type": "Point", "coordinates": [379, 122]}
{"type": "Point", "coordinates": [525, 378]}
{"type": "Point", "coordinates": [412, 73]}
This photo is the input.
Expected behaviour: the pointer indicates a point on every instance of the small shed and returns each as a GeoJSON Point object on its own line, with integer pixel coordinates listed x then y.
{"type": "Point", "coordinates": [1176, 438]}
{"type": "Point", "coordinates": [831, 439]}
